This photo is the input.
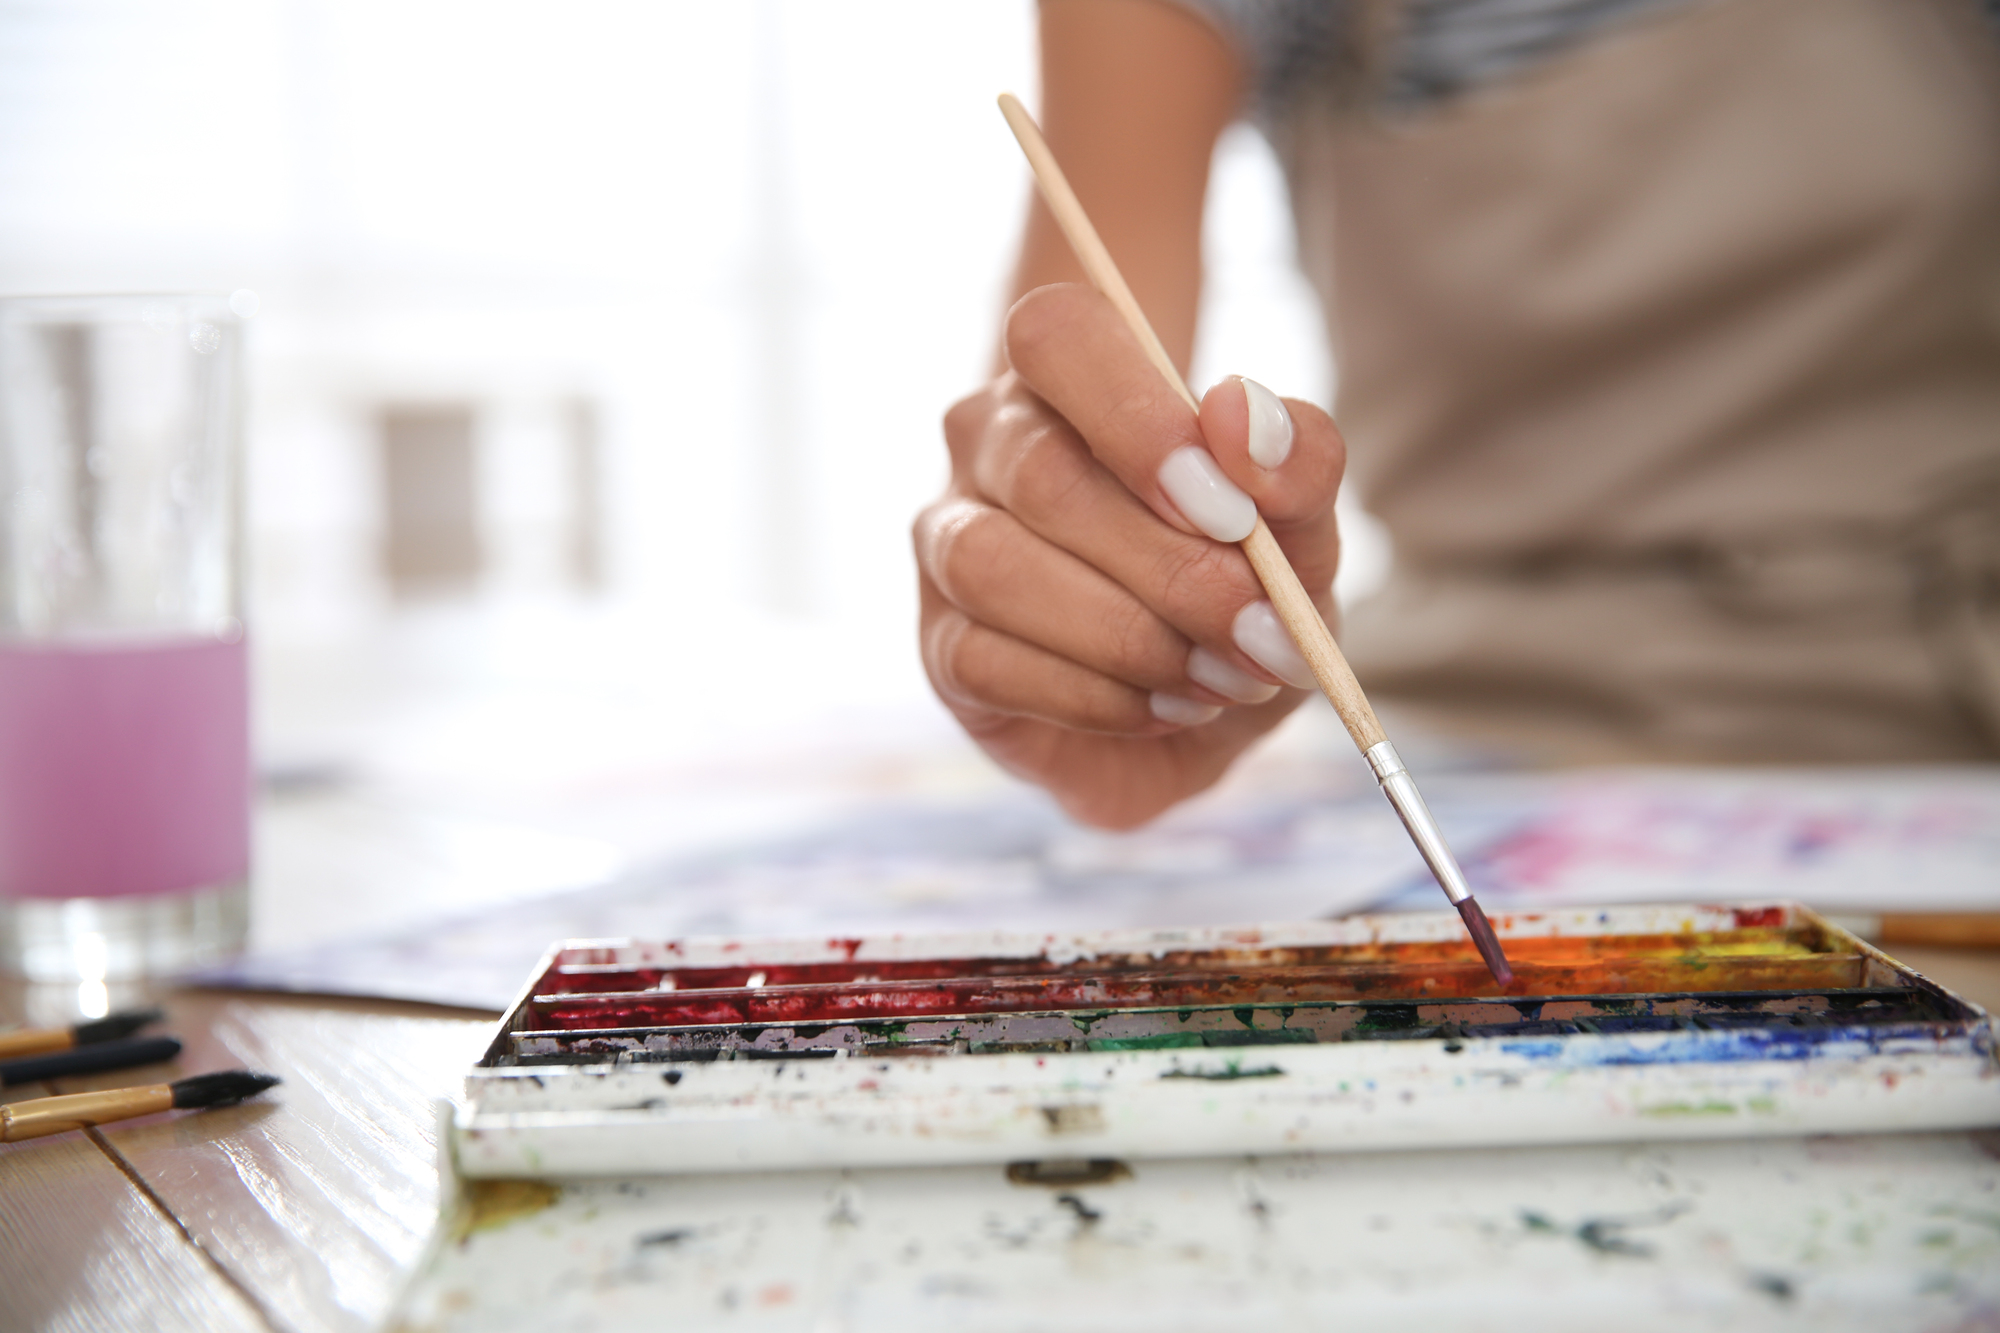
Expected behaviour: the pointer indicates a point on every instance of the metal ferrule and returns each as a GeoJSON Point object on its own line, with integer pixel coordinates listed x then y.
{"type": "Point", "coordinates": [1401, 789]}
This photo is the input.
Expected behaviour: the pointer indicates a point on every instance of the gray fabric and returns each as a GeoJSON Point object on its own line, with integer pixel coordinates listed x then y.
{"type": "Point", "coordinates": [1449, 46]}
{"type": "Point", "coordinates": [1431, 49]}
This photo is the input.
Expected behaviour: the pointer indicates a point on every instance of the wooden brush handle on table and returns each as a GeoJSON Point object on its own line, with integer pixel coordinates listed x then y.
{"type": "Point", "coordinates": [1945, 930]}
{"type": "Point", "coordinates": [59, 1115]}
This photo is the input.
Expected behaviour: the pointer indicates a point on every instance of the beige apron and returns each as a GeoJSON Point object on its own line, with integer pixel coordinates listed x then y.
{"type": "Point", "coordinates": [1673, 367]}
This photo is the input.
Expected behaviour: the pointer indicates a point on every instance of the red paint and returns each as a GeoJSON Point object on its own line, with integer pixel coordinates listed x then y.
{"type": "Point", "coordinates": [1544, 949]}
{"type": "Point", "coordinates": [1370, 980]}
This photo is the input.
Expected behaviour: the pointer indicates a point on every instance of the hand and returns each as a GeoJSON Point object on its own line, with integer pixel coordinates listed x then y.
{"type": "Point", "coordinates": [1081, 623]}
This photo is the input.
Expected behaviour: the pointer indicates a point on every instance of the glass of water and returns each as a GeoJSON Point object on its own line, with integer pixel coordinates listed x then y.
{"type": "Point", "coordinates": [124, 725]}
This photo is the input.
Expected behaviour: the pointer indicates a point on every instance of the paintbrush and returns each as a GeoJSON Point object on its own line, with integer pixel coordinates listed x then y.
{"type": "Point", "coordinates": [92, 1059]}
{"type": "Point", "coordinates": [1274, 571]}
{"type": "Point", "coordinates": [1944, 930]}
{"type": "Point", "coordinates": [55, 1115]}
{"type": "Point", "coordinates": [41, 1041]}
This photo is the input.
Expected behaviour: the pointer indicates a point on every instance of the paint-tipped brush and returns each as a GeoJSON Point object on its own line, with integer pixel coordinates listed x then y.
{"type": "Point", "coordinates": [43, 1041]}
{"type": "Point", "coordinates": [56, 1115]}
{"type": "Point", "coordinates": [1274, 571]}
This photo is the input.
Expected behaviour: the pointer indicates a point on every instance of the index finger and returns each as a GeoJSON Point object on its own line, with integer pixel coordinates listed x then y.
{"type": "Point", "coordinates": [1069, 345]}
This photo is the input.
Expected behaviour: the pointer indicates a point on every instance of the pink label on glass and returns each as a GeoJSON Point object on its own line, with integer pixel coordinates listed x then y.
{"type": "Point", "coordinates": [123, 770]}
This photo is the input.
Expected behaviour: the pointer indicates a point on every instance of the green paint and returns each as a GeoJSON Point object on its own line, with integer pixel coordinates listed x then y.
{"type": "Point", "coordinates": [1975, 1215]}
{"type": "Point", "coordinates": [1228, 1073]}
{"type": "Point", "coordinates": [1152, 1041]}
{"type": "Point", "coordinates": [1169, 1041]}
{"type": "Point", "coordinates": [1709, 1107]}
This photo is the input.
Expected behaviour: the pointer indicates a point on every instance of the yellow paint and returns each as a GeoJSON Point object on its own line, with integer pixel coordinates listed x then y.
{"type": "Point", "coordinates": [1774, 948]}
{"type": "Point", "coordinates": [492, 1204]}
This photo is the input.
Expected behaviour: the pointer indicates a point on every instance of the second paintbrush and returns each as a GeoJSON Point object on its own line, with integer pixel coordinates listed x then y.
{"type": "Point", "coordinates": [1281, 583]}
{"type": "Point", "coordinates": [58, 1115]}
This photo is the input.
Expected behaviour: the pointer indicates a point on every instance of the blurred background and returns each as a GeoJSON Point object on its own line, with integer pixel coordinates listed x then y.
{"type": "Point", "coordinates": [595, 375]}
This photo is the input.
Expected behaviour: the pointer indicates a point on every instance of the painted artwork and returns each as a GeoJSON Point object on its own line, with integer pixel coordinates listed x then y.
{"type": "Point", "coordinates": [1868, 840]}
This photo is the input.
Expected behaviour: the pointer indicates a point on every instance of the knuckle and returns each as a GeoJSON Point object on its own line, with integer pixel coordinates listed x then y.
{"type": "Point", "coordinates": [945, 652]}
{"type": "Point", "coordinates": [922, 526]}
{"type": "Point", "coordinates": [1135, 642]}
{"type": "Point", "coordinates": [928, 532]}
{"type": "Point", "coordinates": [1042, 476]}
{"type": "Point", "coordinates": [962, 549]}
{"type": "Point", "coordinates": [1141, 398]}
{"type": "Point", "coordinates": [962, 418]}
{"type": "Point", "coordinates": [973, 669]}
{"type": "Point", "coordinates": [966, 421]}
{"type": "Point", "coordinates": [1197, 577]}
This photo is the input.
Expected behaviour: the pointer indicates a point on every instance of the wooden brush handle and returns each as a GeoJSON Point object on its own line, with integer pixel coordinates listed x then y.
{"type": "Point", "coordinates": [58, 1115]}
{"type": "Point", "coordinates": [1315, 640]}
{"type": "Point", "coordinates": [1088, 245]}
{"type": "Point", "coordinates": [1951, 930]}
{"type": "Point", "coordinates": [34, 1041]}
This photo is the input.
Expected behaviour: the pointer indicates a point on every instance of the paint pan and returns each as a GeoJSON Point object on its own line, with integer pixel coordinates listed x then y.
{"type": "Point", "coordinates": [626, 1057]}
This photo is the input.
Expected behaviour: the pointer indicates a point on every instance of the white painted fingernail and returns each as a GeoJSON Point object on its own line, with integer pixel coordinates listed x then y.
{"type": "Point", "coordinates": [1260, 633]}
{"type": "Point", "coordinates": [1205, 668]}
{"type": "Point", "coordinates": [1210, 500]}
{"type": "Point", "coordinates": [1188, 713]}
{"type": "Point", "coordinates": [1270, 425]}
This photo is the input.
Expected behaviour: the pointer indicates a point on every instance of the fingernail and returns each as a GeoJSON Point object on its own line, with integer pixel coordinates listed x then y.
{"type": "Point", "coordinates": [1205, 668]}
{"type": "Point", "coordinates": [1270, 425]}
{"type": "Point", "coordinates": [1260, 633]}
{"type": "Point", "coordinates": [1210, 500]}
{"type": "Point", "coordinates": [1186, 712]}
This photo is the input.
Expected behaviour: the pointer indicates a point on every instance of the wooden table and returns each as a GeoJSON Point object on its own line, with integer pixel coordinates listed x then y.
{"type": "Point", "coordinates": [298, 1211]}
{"type": "Point", "coordinates": [304, 1210]}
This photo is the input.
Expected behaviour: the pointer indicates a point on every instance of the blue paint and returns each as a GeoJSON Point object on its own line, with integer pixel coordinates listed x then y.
{"type": "Point", "coordinates": [1777, 1043]}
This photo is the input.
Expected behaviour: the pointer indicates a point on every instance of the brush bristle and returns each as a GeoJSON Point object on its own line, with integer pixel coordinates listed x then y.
{"type": "Point", "coordinates": [114, 1026]}
{"type": "Point", "coordinates": [231, 1085]}
{"type": "Point", "coordinates": [1487, 942]}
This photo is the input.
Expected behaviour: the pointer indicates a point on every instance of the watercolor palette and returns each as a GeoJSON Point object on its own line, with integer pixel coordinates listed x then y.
{"type": "Point", "coordinates": [626, 1057]}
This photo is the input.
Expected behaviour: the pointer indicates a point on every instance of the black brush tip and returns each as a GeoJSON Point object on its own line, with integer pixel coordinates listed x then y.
{"type": "Point", "coordinates": [1486, 940]}
{"type": "Point", "coordinates": [113, 1026]}
{"type": "Point", "coordinates": [221, 1089]}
